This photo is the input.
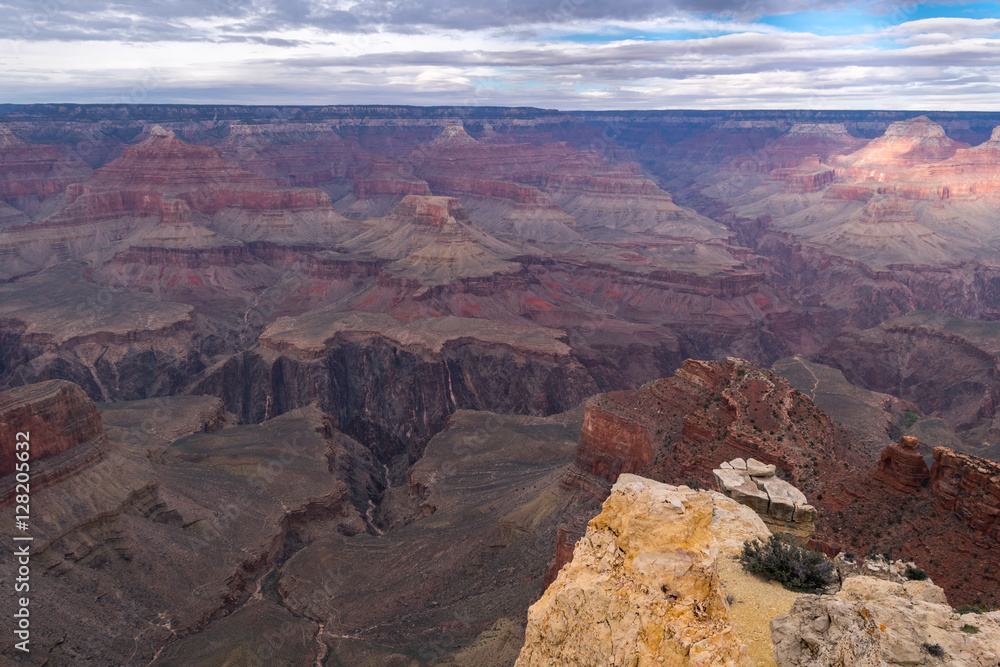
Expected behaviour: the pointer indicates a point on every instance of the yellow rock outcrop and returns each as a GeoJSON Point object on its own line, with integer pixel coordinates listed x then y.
{"type": "Point", "coordinates": [643, 588]}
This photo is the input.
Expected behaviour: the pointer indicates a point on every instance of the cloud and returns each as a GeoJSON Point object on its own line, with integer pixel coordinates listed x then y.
{"type": "Point", "coordinates": [171, 19]}
{"type": "Point", "coordinates": [553, 53]}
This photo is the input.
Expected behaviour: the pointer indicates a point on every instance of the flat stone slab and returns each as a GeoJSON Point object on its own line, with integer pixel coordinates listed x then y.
{"type": "Point", "coordinates": [737, 485]}
{"type": "Point", "coordinates": [783, 507]}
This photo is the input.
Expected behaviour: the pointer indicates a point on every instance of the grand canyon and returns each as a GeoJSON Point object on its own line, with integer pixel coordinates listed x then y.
{"type": "Point", "coordinates": [349, 385]}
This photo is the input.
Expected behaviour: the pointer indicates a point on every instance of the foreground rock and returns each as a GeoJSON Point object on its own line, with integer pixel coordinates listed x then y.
{"type": "Point", "coordinates": [643, 588]}
{"type": "Point", "coordinates": [876, 622]}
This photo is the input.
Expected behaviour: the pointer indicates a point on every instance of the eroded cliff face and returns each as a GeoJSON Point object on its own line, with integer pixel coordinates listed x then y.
{"type": "Point", "coordinates": [32, 171]}
{"type": "Point", "coordinates": [643, 587]}
{"type": "Point", "coordinates": [940, 363]}
{"type": "Point", "coordinates": [945, 517]}
{"type": "Point", "coordinates": [428, 369]}
{"type": "Point", "coordinates": [57, 417]}
{"type": "Point", "coordinates": [612, 443]}
{"type": "Point", "coordinates": [682, 427]}
{"type": "Point", "coordinates": [969, 486]}
{"type": "Point", "coordinates": [903, 466]}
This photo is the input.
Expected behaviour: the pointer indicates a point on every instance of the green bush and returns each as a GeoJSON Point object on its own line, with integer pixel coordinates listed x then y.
{"type": "Point", "coordinates": [915, 574]}
{"type": "Point", "coordinates": [976, 608]}
{"type": "Point", "coordinates": [793, 567]}
{"type": "Point", "coordinates": [934, 649]}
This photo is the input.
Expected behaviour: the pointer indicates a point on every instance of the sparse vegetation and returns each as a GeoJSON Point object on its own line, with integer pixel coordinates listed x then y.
{"type": "Point", "coordinates": [934, 649]}
{"type": "Point", "coordinates": [795, 568]}
{"type": "Point", "coordinates": [970, 629]}
{"type": "Point", "coordinates": [915, 574]}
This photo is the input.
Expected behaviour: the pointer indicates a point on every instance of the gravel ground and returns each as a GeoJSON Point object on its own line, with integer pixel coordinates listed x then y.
{"type": "Point", "coordinates": [755, 603]}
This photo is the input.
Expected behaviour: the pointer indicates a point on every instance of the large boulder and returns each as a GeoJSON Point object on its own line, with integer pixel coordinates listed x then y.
{"type": "Point", "coordinates": [643, 587]}
{"type": "Point", "coordinates": [784, 508]}
{"type": "Point", "coordinates": [877, 622]}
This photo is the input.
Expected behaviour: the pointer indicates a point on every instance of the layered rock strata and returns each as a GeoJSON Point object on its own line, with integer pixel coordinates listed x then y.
{"type": "Point", "coordinates": [903, 466]}
{"type": "Point", "coordinates": [784, 509]}
{"type": "Point", "coordinates": [35, 170]}
{"type": "Point", "coordinates": [612, 443]}
{"type": "Point", "coordinates": [63, 430]}
{"type": "Point", "coordinates": [905, 144]}
{"type": "Point", "coordinates": [969, 486]}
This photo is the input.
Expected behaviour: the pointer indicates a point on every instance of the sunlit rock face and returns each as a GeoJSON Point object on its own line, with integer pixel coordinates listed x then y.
{"type": "Point", "coordinates": [642, 588]}
{"type": "Point", "coordinates": [876, 622]}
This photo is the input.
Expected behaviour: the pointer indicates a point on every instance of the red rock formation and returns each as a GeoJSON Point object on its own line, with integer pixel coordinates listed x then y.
{"type": "Point", "coordinates": [611, 443]}
{"type": "Point", "coordinates": [712, 411]}
{"type": "Point", "coordinates": [803, 140]}
{"type": "Point", "coordinates": [970, 487]}
{"type": "Point", "coordinates": [971, 173]}
{"type": "Point", "coordinates": [903, 466]}
{"type": "Point", "coordinates": [679, 428]}
{"type": "Point", "coordinates": [164, 166]}
{"type": "Point", "coordinates": [809, 176]}
{"type": "Point", "coordinates": [566, 538]}
{"type": "Point", "coordinates": [431, 241]}
{"type": "Point", "coordinates": [598, 190]}
{"type": "Point", "coordinates": [520, 194]}
{"type": "Point", "coordinates": [888, 210]}
{"type": "Point", "coordinates": [378, 188]}
{"type": "Point", "coordinates": [452, 136]}
{"type": "Point", "coordinates": [430, 211]}
{"type": "Point", "coordinates": [34, 170]}
{"type": "Point", "coordinates": [385, 176]}
{"type": "Point", "coordinates": [502, 206]}
{"type": "Point", "coordinates": [904, 145]}
{"type": "Point", "coordinates": [849, 192]}
{"type": "Point", "coordinates": [57, 414]}
{"type": "Point", "coordinates": [292, 154]}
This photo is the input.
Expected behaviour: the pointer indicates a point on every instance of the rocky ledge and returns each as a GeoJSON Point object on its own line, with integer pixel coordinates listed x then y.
{"type": "Point", "coordinates": [877, 622]}
{"type": "Point", "coordinates": [784, 508]}
{"type": "Point", "coordinates": [310, 335]}
{"type": "Point", "coordinates": [643, 587]}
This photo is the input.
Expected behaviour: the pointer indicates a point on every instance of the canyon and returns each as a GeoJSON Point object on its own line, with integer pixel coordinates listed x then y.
{"type": "Point", "coordinates": [375, 369]}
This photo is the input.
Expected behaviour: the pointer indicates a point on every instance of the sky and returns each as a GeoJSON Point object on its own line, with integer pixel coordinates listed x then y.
{"type": "Point", "coordinates": [562, 54]}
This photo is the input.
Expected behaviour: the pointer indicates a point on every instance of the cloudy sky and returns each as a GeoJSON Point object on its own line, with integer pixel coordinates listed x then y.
{"type": "Point", "coordinates": [566, 54]}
